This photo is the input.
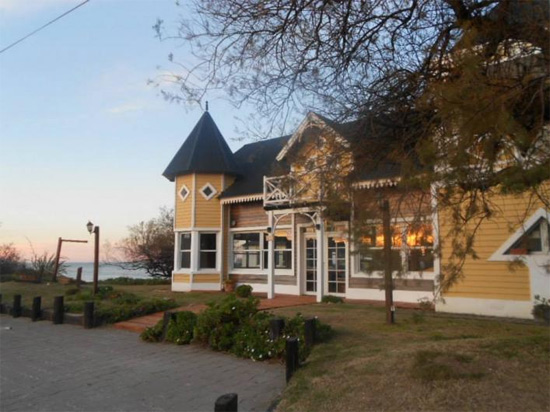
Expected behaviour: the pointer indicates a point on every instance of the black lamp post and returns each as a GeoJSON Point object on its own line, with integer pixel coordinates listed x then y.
{"type": "Point", "coordinates": [95, 229]}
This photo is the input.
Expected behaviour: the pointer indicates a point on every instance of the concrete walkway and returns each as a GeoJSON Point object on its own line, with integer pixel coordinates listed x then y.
{"type": "Point", "coordinates": [279, 301]}
{"type": "Point", "coordinates": [46, 367]}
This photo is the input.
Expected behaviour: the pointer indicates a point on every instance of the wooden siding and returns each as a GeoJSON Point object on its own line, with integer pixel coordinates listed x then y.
{"type": "Point", "coordinates": [183, 208]}
{"type": "Point", "coordinates": [492, 280]}
{"type": "Point", "coordinates": [402, 205]}
{"type": "Point", "coordinates": [206, 278]}
{"type": "Point", "coordinates": [248, 215]}
{"type": "Point", "coordinates": [208, 212]}
{"type": "Point", "coordinates": [181, 278]}
{"type": "Point", "coordinates": [420, 285]}
{"type": "Point", "coordinates": [262, 279]}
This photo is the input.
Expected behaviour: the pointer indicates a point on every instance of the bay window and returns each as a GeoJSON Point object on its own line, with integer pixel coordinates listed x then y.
{"type": "Point", "coordinates": [185, 250]}
{"type": "Point", "coordinates": [207, 251]}
{"type": "Point", "coordinates": [251, 251]}
{"type": "Point", "coordinates": [246, 250]}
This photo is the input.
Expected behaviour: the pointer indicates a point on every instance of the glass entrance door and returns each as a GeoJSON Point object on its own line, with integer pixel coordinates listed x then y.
{"type": "Point", "coordinates": [311, 265]}
{"type": "Point", "coordinates": [336, 265]}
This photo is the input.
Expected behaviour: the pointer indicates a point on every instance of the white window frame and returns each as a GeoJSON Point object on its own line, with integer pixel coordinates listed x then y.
{"type": "Point", "coordinates": [501, 256]}
{"type": "Point", "coordinates": [180, 251]}
{"type": "Point", "coordinates": [260, 271]}
{"type": "Point", "coordinates": [211, 187]}
{"type": "Point", "coordinates": [199, 250]}
{"type": "Point", "coordinates": [180, 195]}
{"type": "Point", "coordinates": [403, 253]}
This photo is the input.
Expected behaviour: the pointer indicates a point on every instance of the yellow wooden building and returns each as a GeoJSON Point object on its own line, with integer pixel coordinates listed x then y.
{"type": "Point", "coordinates": [257, 217]}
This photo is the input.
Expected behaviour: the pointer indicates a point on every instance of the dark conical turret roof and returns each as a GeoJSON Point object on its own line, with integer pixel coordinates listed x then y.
{"type": "Point", "coordinates": [204, 151]}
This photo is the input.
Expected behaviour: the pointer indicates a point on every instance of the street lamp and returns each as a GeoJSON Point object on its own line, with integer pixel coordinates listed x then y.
{"type": "Point", "coordinates": [95, 229]}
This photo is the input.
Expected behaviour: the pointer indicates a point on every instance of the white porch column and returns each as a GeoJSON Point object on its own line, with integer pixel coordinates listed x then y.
{"type": "Point", "coordinates": [271, 258]}
{"type": "Point", "coordinates": [320, 258]}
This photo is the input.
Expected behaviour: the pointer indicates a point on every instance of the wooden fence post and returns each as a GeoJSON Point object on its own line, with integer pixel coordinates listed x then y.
{"type": "Point", "coordinates": [292, 359]}
{"type": "Point", "coordinates": [227, 403]}
{"type": "Point", "coordinates": [165, 322]}
{"type": "Point", "coordinates": [58, 310]}
{"type": "Point", "coordinates": [78, 277]}
{"type": "Point", "coordinates": [309, 331]}
{"type": "Point", "coordinates": [36, 308]}
{"type": "Point", "coordinates": [276, 327]}
{"type": "Point", "coordinates": [88, 315]}
{"type": "Point", "coordinates": [16, 310]}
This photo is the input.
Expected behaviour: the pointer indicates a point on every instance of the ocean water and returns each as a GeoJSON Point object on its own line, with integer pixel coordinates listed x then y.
{"type": "Point", "coordinates": [105, 271]}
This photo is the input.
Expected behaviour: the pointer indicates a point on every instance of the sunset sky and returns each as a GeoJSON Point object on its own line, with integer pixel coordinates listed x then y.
{"type": "Point", "coordinates": [82, 135]}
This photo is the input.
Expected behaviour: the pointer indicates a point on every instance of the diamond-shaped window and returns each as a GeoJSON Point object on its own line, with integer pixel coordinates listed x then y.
{"type": "Point", "coordinates": [208, 191]}
{"type": "Point", "coordinates": [184, 192]}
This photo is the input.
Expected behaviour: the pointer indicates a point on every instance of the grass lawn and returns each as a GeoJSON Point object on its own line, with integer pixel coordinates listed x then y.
{"type": "Point", "coordinates": [427, 361]}
{"type": "Point", "coordinates": [49, 291]}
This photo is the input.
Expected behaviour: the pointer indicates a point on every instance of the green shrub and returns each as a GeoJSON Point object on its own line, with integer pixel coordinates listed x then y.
{"type": "Point", "coordinates": [72, 291]}
{"type": "Point", "coordinates": [131, 281]}
{"type": "Point", "coordinates": [217, 325]}
{"type": "Point", "coordinates": [243, 291]}
{"type": "Point", "coordinates": [6, 277]}
{"type": "Point", "coordinates": [75, 306]}
{"type": "Point", "coordinates": [118, 313]}
{"type": "Point", "coordinates": [332, 299]}
{"type": "Point", "coordinates": [152, 334]}
{"type": "Point", "coordinates": [253, 341]}
{"type": "Point", "coordinates": [541, 309]}
{"type": "Point", "coordinates": [235, 325]}
{"type": "Point", "coordinates": [180, 328]}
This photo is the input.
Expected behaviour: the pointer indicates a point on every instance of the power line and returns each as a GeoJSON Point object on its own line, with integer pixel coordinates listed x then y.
{"type": "Point", "coordinates": [44, 26]}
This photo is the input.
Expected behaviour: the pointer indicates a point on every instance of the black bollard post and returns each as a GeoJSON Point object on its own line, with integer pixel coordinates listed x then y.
{"type": "Point", "coordinates": [88, 315]}
{"type": "Point", "coordinates": [227, 403]}
{"type": "Point", "coordinates": [58, 310]}
{"type": "Point", "coordinates": [36, 308]}
{"type": "Point", "coordinates": [292, 361]}
{"type": "Point", "coordinates": [276, 327]}
{"type": "Point", "coordinates": [165, 322]}
{"type": "Point", "coordinates": [309, 332]}
{"type": "Point", "coordinates": [16, 310]}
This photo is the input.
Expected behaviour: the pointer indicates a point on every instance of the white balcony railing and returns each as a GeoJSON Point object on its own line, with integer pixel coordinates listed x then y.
{"type": "Point", "coordinates": [286, 191]}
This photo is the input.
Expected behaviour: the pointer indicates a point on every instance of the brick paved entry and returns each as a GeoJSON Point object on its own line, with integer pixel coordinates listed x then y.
{"type": "Point", "coordinates": [46, 367]}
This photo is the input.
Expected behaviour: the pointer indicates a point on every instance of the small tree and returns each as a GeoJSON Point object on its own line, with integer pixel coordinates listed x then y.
{"type": "Point", "coordinates": [149, 246]}
{"type": "Point", "coordinates": [10, 259]}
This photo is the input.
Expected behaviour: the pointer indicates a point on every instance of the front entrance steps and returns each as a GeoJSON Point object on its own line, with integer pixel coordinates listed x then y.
{"type": "Point", "coordinates": [138, 325]}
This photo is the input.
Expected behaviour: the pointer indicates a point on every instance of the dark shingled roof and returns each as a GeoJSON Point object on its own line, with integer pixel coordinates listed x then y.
{"type": "Point", "coordinates": [204, 151]}
{"type": "Point", "coordinates": [256, 160]}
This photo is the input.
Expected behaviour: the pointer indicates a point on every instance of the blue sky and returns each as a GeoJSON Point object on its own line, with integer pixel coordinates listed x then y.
{"type": "Point", "coordinates": [82, 135]}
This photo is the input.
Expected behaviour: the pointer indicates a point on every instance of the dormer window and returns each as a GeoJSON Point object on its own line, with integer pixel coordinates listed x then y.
{"type": "Point", "coordinates": [208, 191]}
{"type": "Point", "coordinates": [183, 193]}
{"type": "Point", "coordinates": [535, 240]}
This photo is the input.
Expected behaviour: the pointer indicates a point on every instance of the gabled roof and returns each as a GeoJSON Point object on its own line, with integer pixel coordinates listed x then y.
{"type": "Point", "coordinates": [204, 151]}
{"type": "Point", "coordinates": [353, 134]}
{"type": "Point", "coordinates": [256, 160]}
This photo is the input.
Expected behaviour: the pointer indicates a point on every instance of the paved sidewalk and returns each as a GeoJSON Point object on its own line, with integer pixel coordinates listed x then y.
{"type": "Point", "coordinates": [46, 367]}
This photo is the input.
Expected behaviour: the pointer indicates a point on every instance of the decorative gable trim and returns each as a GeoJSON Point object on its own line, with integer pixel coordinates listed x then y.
{"type": "Point", "coordinates": [376, 183]}
{"type": "Point", "coordinates": [242, 199]}
{"type": "Point", "coordinates": [312, 119]}
{"type": "Point", "coordinates": [500, 255]}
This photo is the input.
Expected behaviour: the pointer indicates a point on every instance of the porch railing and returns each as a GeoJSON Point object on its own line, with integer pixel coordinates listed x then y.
{"type": "Point", "coordinates": [286, 190]}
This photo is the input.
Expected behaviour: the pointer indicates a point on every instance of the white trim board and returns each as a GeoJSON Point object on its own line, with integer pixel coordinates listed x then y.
{"type": "Point", "coordinates": [500, 255]}
{"type": "Point", "coordinates": [487, 307]}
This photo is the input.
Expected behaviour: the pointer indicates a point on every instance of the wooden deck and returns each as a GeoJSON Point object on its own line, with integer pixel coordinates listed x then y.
{"type": "Point", "coordinates": [138, 325]}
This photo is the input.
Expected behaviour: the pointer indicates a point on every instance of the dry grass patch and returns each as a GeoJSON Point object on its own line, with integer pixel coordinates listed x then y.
{"type": "Point", "coordinates": [425, 362]}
